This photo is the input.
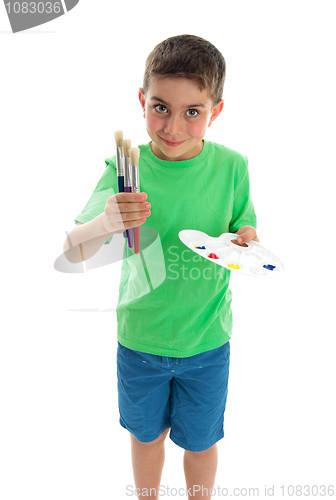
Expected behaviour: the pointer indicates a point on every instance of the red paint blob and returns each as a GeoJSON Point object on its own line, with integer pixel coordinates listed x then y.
{"type": "Point", "coordinates": [213, 256]}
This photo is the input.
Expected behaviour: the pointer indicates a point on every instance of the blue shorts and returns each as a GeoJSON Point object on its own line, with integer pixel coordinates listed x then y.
{"type": "Point", "coordinates": [186, 394]}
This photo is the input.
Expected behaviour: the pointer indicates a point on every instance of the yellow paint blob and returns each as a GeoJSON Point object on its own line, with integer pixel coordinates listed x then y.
{"type": "Point", "coordinates": [234, 266]}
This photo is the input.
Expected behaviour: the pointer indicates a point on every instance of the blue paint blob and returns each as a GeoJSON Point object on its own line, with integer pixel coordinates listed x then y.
{"type": "Point", "coordinates": [202, 248]}
{"type": "Point", "coordinates": [269, 267]}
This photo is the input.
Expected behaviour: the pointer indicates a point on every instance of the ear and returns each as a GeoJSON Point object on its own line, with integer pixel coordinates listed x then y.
{"type": "Point", "coordinates": [142, 100]}
{"type": "Point", "coordinates": [216, 111]}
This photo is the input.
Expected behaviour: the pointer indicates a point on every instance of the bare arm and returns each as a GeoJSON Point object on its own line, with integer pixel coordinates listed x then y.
{"type": "Point", "coordinates": [122, 211]}
{"type": "Point", "coordinates": [84, 240]}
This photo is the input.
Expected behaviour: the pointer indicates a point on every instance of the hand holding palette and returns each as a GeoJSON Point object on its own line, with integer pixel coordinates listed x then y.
{"type": "Point", "coordinates": [249, 258]}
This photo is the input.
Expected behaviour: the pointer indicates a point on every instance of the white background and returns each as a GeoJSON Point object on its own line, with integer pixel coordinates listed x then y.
{"type": "Point", "coordinates": [66, 87]}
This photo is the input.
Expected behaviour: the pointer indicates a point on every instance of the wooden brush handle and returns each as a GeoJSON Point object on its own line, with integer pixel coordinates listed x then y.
{"type": "Point", "coordinates": [136, 232]}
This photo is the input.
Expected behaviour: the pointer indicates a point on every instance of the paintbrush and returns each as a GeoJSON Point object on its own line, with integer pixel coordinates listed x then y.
{"type": "Point", "coordinates": [120, 160]}
{"type": "Point", "coordinates": [134, 156]}
{"type": "Point", "coordinates": [128, 182]}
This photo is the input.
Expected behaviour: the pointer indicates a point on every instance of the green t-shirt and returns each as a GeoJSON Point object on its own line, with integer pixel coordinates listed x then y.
{"type": "Point", "coordinates": [173, 302]}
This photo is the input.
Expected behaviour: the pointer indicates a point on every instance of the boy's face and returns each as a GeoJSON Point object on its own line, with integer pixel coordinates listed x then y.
{"type": "Point", "coordinates": [177, 115]}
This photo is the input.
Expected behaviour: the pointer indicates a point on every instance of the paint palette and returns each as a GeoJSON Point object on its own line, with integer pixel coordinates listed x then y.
{"type": "Point", "coordinates": [250, 258]}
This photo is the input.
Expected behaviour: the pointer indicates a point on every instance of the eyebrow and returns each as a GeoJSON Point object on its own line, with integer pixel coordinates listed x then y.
{"type": "Point", "coordinates": [154, 98]}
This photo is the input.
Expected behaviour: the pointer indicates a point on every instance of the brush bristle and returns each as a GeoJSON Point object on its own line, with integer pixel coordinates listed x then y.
{"type": "Point", "coordinates": [127, 146]}
{"type": "Point", "coordinates": [134, 155]}
{"type": "Point", "coordinates": [118, 135]}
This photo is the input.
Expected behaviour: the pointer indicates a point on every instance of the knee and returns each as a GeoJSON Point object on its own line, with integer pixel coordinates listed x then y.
{"type": "Point", "coordinates": [161, 438]}
{"type": "Point", "coordinates": [158, 440]}
{"type": "Point", "coordinates": [201, 455]}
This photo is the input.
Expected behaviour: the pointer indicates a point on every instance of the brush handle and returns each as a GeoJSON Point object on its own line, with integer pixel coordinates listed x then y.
{"type": "Point", "coordinates": [121, 190]}
{"type": "Point", "coordinates": [128, 189]}
{"type": "Point", "coordinates": [136, 189]}
{"type": "Point", "coordinates": [136, 231]}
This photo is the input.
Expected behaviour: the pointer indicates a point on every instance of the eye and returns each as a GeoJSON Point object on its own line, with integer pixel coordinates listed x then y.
{"type": "Point", "coordinates": [160, 108]}
{"type": "Point", "coordinates": [193, 111]}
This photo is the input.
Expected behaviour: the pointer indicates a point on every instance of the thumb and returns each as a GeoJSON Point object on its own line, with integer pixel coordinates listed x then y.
{"type": "Point", "coordinates": [242, 239]}
{"type": "Point", "coordinates": [247, 234]}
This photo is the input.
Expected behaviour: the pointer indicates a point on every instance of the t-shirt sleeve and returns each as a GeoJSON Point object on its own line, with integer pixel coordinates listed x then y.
{"type": "Point", "coordinates": [243, 213]}
{"type": "Point", "coordinates": [107, 186]}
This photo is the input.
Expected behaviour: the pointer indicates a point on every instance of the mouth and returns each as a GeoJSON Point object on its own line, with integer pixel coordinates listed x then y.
{"type": "Point", "coordinates": [172, 144]}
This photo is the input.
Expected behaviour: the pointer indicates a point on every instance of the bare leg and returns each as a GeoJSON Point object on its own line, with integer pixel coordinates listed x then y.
{"type": "Point", "coordinates": [147, 461]}
{"type": "Point", "coordinates": [200, 471]}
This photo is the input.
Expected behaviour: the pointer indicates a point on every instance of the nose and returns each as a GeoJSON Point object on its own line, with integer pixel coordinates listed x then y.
{"type": "Point", "coordinates": [173, 125]}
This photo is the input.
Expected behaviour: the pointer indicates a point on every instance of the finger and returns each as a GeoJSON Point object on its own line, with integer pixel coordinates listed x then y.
{"type": "Point", "coordinates": [129, 197]}
{"type": "Point", "coordinates": [132, 208]}
{"type": "Point", "coordinates": [131, 216]}
{"type": "Point", "coordinates": [248, 235]}
{"type": "Point", "coordinates": [133, 223]}
{"type": "Point", "coordinates": [128, 219]}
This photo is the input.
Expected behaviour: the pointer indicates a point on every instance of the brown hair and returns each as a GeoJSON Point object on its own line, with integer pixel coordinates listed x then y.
{"type": "Point", "coordinates": [188, 56]}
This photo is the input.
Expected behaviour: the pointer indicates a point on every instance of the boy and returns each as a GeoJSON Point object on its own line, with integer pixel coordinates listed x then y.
{"type": "Point", "coordinates": [173, 343]}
